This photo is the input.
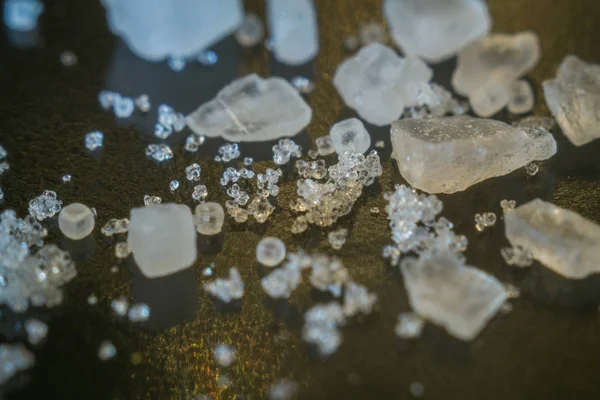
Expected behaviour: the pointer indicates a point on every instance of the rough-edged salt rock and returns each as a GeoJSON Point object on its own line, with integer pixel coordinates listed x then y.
{"type": "Point", "coordinates": [162, 238]}
{"type": "Point", "coordinates": [436, 29]}
{"type": "Point", "coordinates": [560, 239]}
{"type": "Point", "coordinates": [449, 154]}
{"type": "Point", "coordinates": [521, 99]}
{"type": "Point", "coordinates": [573, 97]}
{"type": "Point", "coordinates": [252, 109]}
{"type": "Point", "coordinates": [488, 67]}
{"type": "Point", "coordinates": [443, 290]}
{"type": "Point", "coordinates": [155, 30]}
{"type": "Point", "coordinates": [379, 84]}
{"type": "Point", "coordinates": [76, 221]}
{"type": "Point", "coordinates": [293, 27]}
{"type": "Point", "coordinates": [350, 135]}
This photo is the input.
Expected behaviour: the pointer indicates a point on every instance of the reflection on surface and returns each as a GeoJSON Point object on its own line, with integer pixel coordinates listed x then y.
{"type": "Point", "coordinates": [172, 299]}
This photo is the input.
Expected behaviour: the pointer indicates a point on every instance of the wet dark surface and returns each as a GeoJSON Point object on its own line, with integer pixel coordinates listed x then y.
{"type": "Point", "coordinates": [548, 347]}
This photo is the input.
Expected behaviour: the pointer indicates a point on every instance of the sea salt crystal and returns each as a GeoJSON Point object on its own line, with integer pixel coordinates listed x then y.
{"type": "Point", "coordinates": [409, 325]}
{"type": "Point", "coordinates": [270, 251]}
{"type": "Point", "coordinates": [379, 84]}
{"type": "Point", "coordinates": [120, 306]}
{"type": "Point", "coordinates": [139, 312]}
{"type": "Point", "coordinates": [260, 209]}
{"type": "Point", "coordinates": [243, 111]}
{"type": "Point", "coordinates": [142, 102]}
{"type": "Point", "coordinates": [162, 239]}
{"type": "Point", "coordinates": [449, 154]}
{"type": "Point", "coordinates": [13, 359]}
{"type": "Point", "coordinates": [68, 58]}
{"type": "Point", "coordinates": [22, 15]}
{"type": "Point", "coordinates": [350, 135]}
{"type": "Point", "coordinates": [224, 355]}
{"type": "Point", "coordinates": [560, 239]}
{"type": "Point", "coordinates": [174, 185]}
{"type": "Point", "coordinates": [45, 205]}
{"type": "Point", "coordinates": [209, 218]}
{"type": "Point", "coordinates": [251, 32]}
{"type": "Point", "coordinates": [436, 30]}
{"type": "Point", "coordinates": [115, 226]}
{"type": "Point", "coordinates": [94, 140]}
{"type": "Point", "coordinates": [76, 221]}
{"type": "Point", "coordinates": [337, 239]}
{"type": "Point", "coordinates": [226, 290]}
{"type": "Point", "coordinates": [122, 250]}
{"type": "Point", "coordinates": [159, 152]}
{"type": "Point", "coordinates": [324, 145]}
{"type": "Point", "coordinates": [123, 107]}
{"type": "Point", "coordinates": [192, 172]}
{"type": "Point", "coordinates": [294, 31]}
{"type": "Point", "coordinates": [107, 350]}
{"type": "Point", "coordinates": [151, 200]}
{"type": "Point", "coordinates": [36, 331]}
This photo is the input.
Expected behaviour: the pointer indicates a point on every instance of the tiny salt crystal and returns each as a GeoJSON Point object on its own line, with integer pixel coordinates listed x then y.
{"type": "Point", "coordinates": [45, 205]}
{"type": "Point", "coordinates": [66, 178]}
{"type": "Point", "coordinates": [283, 389]}
{"type": "Point", "coordinates": [68, 58]}
{"type": "Point", "coordinates": [14, 358]}
{"type": "Point", "coordinates": [159, 152]}
{"type": "Point", "coordinates": [94, 140]}
{"type": "Point", "coordinates": [123, 107]}
{"type": "Point", "coordinates": [229, 152]}
{"type": "Point", "coordinates": [193, 142]}
{"type": "Point", "coordinates": [151, 200]}
{"type": "Point", "coordinates": [251, 32]}
{"type": "Point", "coordinates": [143, 103]}
{"type": "Point", "coordinates": [209, 218]}
{"type": "Point", "coordinates": [36, 331]}
{"type": "Point", "coordinates": [107, 350]}
{"type": "Point", "coordinates": [508, 205]}
{"type": "Point", "coordinates": [517, 256]}
{"type": "Point", "coordinates": [92, 300]}
{"type": "Point", "coordinates": [208, 58]}
{"type": "Point", "coordinates": [176, 64]}
{"type": "Point", "coordinates": [409, 326]}
{"type": "Point", "coordinates": [303, 84]}
{"type": "Point", "coordinates": [120, 306]}
{"type": "Point", "coordinates": [76, 221]}
{"type": "Point", "coordinates": [371, 32]}
{"type": "Point", "coordinates": [174, 185]}
{"type": "Point", "coordinates": [224, 355]}
{"type": "Point", "coordinates": [260, 209]}
{"type": "Point", "coordinates": [106, 99]}
{"type": "Point", "coordinates": [484, 220]}
{"type": "Point", "coordinates": [337, 239]}
{"type": "Point", "coordinates": [192, 172]}
{"type": "Point", "coordinates": [22, 16]}
{"type": "Point", "coordinates": [139, 312]}
{"type": "Point", "coordinates": [200, 192]}
{"type": "Point", "coordinates": [380, 144]}
{"type": "Point", "coordinates": [248, 161]}
{"type": "Point", "coordinates": [115, 226]}
{"type": "Point", "coordinates": [374, 210]}
{"type": "Point", "coordinates": [227, 290]}
{"type": "Point", "coordinates": [351, 43]}
{"type": "Point", "coordinates": [270, 251]}
{"type": "Point", "coordinates": [284, 150]}
{"type": "Point", "coordinates": [122, 250]}
{"type": "Point", "coordinates": [512, 292]}
{"type": "Point", "coordinates": [417, 389]}
{"type": "Point", "coordinates": [324, 145]}
{"type": "Point", "coordinates": [532, 169]}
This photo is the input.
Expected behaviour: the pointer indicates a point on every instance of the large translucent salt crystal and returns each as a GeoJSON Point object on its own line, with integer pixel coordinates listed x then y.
{"type": "Point", "coordinates": [252, 109]}
{"type": "Point", "coordinates": [162, 238]}
{"type": "Point", "coordinates": [487, 68]}
{"type": "Point", "coordinates": [560, 239]}
{"type": "Point", "coordinates": [379, 84]}
{"type": "Point", "coordinates": [436, 29]}
{"type": "Point", "coordinates": [350, 135]}
{"type": "Point", "coordinates": [573, 97]}
{"type": "Point", "coordinates": [293, 27]}
{"type": "Point", "coordinates": [445, 291]}
{"type": "Point", "coordinates": [76, 221]}
{"type": "Point", "coordinates": [155, 30]}
{"type": "Point", "coordinates": [209, 218]}
{"type": "Point", "coordinates": [449, 154]}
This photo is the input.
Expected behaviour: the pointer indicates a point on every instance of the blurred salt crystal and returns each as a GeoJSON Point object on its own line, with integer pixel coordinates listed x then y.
{"type": "Point", "coordinates": [139, 312]}
{"type": "Point", "coordinates": [283, 389]}
{"type": "Point", "coordinates": [224, 355]}
{"type": "Point", "coordinates": [36, 331]}
{"type": "Point", "coordinates": [107, 350]}
{"type": "Point", "coordinates": [22, 15]}
{"type": "Point", "coordinates": [120, 306]}
{"type": "Point", "coordinates": [251, 32]}
{"type": "Point", "coordinates": [13, 359]}
{"type": "Point", "coordinates": [226, 290]}
{"type": "Point", "coordinates": [68, 58]}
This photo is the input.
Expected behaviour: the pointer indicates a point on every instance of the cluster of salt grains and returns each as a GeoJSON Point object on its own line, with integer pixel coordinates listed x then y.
{"type": "Point", "coordinates": [169, 121]}
{"type": "Point", "coordinates": [434, 100]}
{"type": "Point", "coordinates": [284, 150]}
{"type": "Point", "coordinates": [260, 207]}
{"type": "Point", "coordinates": [123, 106]}
{"type": "Point", "coordinates": [226, 290]}
{"type": "Point", "coordinates": [325, 202]}
{"type": "Point", "coordinates": [328, 275]}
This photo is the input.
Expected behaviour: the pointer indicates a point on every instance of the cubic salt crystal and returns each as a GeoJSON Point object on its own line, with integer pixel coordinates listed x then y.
{"type": "Point", "coordinates": [227, 289]}
{"type": "Point", "coordinates": [573, 97]}
{"type": "Point", "coordinates": [76, 221]}
{"type": "Point", "coordinates": [251, 32]}
{"type": "Point", "coordinates": [449, 154]}
{"type": "Point", "coordinates": [294, 32]}
{"type": "Point", "coordinates": [94, 140]}
{"type": "Point", "coordinates": [45, 205]}
{"type": "Point", "coordinates": [487, 68]}
{"type": "Point", "coordinates": [283, 389]}
{"type": "Point", "coordinates": [115, 226]}
{"type": "Point", "coordinates": [181, 28]}
{"type": "Point", "coordinates": [560, 239]}
{"type": "Point", "coordinates": [243, 111]}
{"type": "Point", "coordinates": [209, 218]}
{"type": "Point", "coordinates": [337, 239]}
{"type": "Point", "coordinates": [107, 350]}
{"type": "Point", "coordinates": [36, 331]}
{"type": "Point", "coordinates": [409, 325]}
{"type": "Point", "coordinates": [325, 145]}
{"type": "Point", "coordinates": [379, 84]}
{"type": "Point", "coordinates": [162, 239]}
{"type": "Point", "coordinates": [270, 251]}
{"type": "Point", "coordinates": [13, 359]}
{"type": "Point", "coordinates": [443, 290]}
{"type": "Point", "coordinates": [22, 15]}
{"type": "Point", "coordinates": [521, 97]}
{"type": "Point", "coordinates": [261, 209]}
{"type": "Point", "coordinates": [139, 312]}
{"type": "Point", "coordinates": [224, 355]}
{"type": "Point", "coordinates": [436, 30]}
{"type": "Point", "coordinates": [350, 135]}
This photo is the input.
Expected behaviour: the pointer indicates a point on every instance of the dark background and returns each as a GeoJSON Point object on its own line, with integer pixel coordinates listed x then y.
{"type": "Point", "coordinates": [548, 347]}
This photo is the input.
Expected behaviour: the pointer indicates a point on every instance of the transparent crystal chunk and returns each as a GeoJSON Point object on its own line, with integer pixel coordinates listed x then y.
{"type": "Point", "coordinates": [270, 251]}
{"type": "Point", "coordinates": [76, 221]}
{"type": "Point", "coordinates": [209, 218]}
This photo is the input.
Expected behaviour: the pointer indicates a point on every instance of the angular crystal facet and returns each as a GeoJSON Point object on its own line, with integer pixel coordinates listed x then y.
{"type": "Point", "coordinates": [560, 239]}
{"type": "Point", "coordinates": [436, 29]}
{"type": "Point", "coordinates": [446, 292]}
{"type": "Point", "coordinates": [573, 97]}
{"type": "Point", "coordinates": [447, 155]}
{"type": "Point", "coordinates": [252, 109]}
{"type": "Point", "coordinates": [379, 84]}
{"type": "Point", "coordinates": [209, 218]}
{"type": "Point", "coordinates": [76, 221]}
{"type": "Point", "coordinates": [162, 238]}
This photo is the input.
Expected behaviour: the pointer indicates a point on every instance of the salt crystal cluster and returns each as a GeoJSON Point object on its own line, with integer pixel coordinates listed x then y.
{"type": "Point", "coordinates": [200, 193]}
{"type": "Point", "coordinates": [151, 200]}
{"type": "Point", "coordinates": [159, 152]}
{"type": "Point", "coordinates": [436, 30]}
{"type": "Point", "coordinates": [379, 84]}
{"type": "Point", "coordinates": [76, 221]}
{"type": "Point", "coordinates": [484, 220]}
{"type": "Point", "coordinates": [351, 136]}
{"type": "Point", "coordinates": [252, 109]}
{"type": "Point", "coordinates": [209, 218]}
{"type": "Point", "coordinates": [325, 145]}
{"type": "Point", "coordinates": [434, 100]}
{"type": "Point", "coordinates": [229, 152]}
{"type": "Point", "coordinates": [93, 140]}
{"type": "Point", "coordinates": [22, 15]}
{"type": "Point", "coordinates": [488, 68]}
{"type": "Point", "coordinates": [560, 239]}
{"type": "Point", "coordinates": [162, 239]}
{"type": "Point", "coordinates": [115, 226]}
{"type": "Point", "coordinates": [45, 205]}
{"type": "Point", "coordinates": [312, 169]}
{"type": "Point", "coordinates": [30, 273]}
{"type": "Point", "coordinates": [179, 28]}
{"type": "Point", "coordinates": [517, 256]}
{"type": "Point", "coordinates": [122, 106]}
{"type": "Point", "coordinates": [507, 205]}
{"type": "Point", "coordinates": [169, 121]}
{"type": "Point", "coordinates": [251, 32]}
{"type": "Point", "coordinates": [192, 172]}
{"type": "Point", "coordinates": [284, 150]}
{"type": "Point", "coordinates": [226, 290]}
{"type": "Point", "coordinates": [14, 358]}
{"type": "Point", "coordinates": [193, 142]}
{"type": "Point", "coordinates": [294, 33]}
{"type": "Point", "coordinates": [445, 291]}
{"type": "Point", "coordinates": [270, 251]}
{"type": "Point", "coordinates": [449, 154]}
{"type": "Point", "coordinates": [324, 202]}
{"type": "Point", "coordinates": [573, 97]}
